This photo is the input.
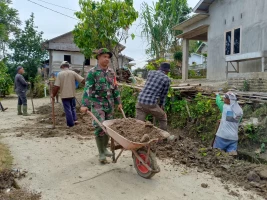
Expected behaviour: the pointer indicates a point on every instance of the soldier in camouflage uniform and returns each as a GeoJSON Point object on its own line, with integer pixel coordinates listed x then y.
{"type": "Point", "coordinates": [101, 94]}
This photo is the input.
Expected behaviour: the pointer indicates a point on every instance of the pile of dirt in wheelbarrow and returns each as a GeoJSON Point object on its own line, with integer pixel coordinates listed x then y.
{"type": "Point", "coordinates": [135, 131]}
{"type": "Point", "coordinates": [84, 128]}
{"type": "Point", "coordinates": [194, 154]}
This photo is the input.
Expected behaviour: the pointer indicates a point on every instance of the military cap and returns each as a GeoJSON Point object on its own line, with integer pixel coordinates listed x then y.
{"type": "Point", "coordinates": [103, 51]}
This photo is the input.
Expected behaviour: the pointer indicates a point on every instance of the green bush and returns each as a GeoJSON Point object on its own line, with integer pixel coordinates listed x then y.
{"type": "Point", "coordinates": [38, 87]}
{"type": "Point", "coordinates": [129, 99]}
{"type": "Point", "coordinates": [200, 121]}
{"type": "Point", "coordinates": [155, 64]}
{"type": "Point", "coordinates": [5, 80]}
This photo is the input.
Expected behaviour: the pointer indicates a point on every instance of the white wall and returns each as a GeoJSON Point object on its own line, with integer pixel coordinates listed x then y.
{"type": "Point", "coordinates": [198, 59]}
{"type": "Point", "coordinates": [77, 60]}
{"type": "Point", "coordinates": [248, 15]}
{"type": "Point", "coordinates": [76, 57]}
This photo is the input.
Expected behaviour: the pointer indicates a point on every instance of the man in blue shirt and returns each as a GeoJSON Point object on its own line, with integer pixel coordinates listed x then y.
{"type": "Point", "coordinates": [151, 99]}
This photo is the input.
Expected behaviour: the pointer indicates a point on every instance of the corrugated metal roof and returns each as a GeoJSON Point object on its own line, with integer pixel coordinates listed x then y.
{"type": "Point", "coordinates": [203, 6]}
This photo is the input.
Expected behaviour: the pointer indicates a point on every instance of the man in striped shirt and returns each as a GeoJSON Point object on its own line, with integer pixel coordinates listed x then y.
{"type": "Point", "coordinates": [151, 99]}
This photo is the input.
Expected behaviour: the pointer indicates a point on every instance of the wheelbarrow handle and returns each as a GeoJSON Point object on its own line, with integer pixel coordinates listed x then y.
{"type": "Point", "coordinates": [97, 121]}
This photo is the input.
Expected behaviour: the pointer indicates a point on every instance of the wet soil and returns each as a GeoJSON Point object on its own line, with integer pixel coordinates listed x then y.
{"type": "Point", "coordinates": [135, 130]}
{"type": "Point", "coordinates": [19, 195]}
{"type": "Point", "coordinates": [44, 129]}
{"type": "Point", "coordinates": [7, 179]}
{"type": "Point", "coordinates": [228, 168]}
{"type": "Point", "coordinates": [9, 190]}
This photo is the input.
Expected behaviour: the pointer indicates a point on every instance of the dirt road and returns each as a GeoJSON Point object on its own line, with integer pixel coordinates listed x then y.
{"type": "Point", "coordinates": [65, 168]}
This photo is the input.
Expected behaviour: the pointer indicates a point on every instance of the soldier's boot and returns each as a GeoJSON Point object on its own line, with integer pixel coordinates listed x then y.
{"type": "Point", "coordinates": [100, 145]}
{"type": "Point", "coordinates": [106, 139]}
{"type": "Point", "coordinates": [25, 113]}
{"type": "Point", "coordinates": [19, 110]}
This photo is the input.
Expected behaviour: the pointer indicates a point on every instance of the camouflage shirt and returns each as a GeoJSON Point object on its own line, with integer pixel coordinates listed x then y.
{"type": "Point", "coordinates": [101, 88]}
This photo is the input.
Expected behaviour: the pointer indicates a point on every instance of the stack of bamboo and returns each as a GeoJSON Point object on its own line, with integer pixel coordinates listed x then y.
{"type": "Point", "coordinates": [189, 91]}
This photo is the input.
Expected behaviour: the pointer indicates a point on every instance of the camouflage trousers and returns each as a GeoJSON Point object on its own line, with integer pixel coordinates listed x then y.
{"type": "Point", "coordinates": [101, 113]}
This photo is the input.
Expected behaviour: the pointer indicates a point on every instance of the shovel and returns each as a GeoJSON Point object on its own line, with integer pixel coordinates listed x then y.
{"type": "Point", "coordinates": [53, 114]}
{"type": "Point", "coordinates": [33, 111]}
{"type": "Point", "coordinates": [78, 102]}
{"type": "Point", "coordinates": [123, 114]}
{"type": "Point", "coordinates": [2, 108]}
{"type": "Point", "coordinates": [53, 110]}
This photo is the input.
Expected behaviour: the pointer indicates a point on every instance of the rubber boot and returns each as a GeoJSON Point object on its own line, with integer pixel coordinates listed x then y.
{"type": "Point", "coordinates": [24, 108]}
{"type": "Point", "coordinates": [19, 110]}
{"type": "Point", "coordinates": [106, 139]}
{"type": "Point", "coordinates": [100, 146]}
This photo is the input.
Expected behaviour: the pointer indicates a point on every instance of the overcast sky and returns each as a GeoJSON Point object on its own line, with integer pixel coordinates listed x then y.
{"type": "Point", "coordinates": [54, 24]}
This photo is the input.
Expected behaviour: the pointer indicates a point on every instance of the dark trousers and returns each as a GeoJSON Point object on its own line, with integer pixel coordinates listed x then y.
{"type": "Point", "coordinates": [143, 110]}
{"type": "Point", "coordinates": [22, 99]}
{"type": "Point", "coordinates": [69, 105]}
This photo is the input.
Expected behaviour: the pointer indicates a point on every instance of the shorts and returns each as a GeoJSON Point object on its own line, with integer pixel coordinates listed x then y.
{"type": "Point", "coordinates": [225, 145]}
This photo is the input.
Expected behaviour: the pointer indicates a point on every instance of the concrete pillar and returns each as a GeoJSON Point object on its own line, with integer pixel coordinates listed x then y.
{"type": "Point", "coordinates": [263, 64]}
{"type": "Point", "coordinates": [185, 59]}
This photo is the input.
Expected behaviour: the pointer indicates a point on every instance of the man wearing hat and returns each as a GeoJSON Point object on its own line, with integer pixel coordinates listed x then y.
{"type": "Point", "coordinates": [227, 134]}
{"type": "Point", "coordinates": [151, 99]}
{"type": "Point", "coordinates": [101, 94]}
{"type": "Point", "coordinates": [65, 83]}
{"type": "Point", "coordinates": [21, 87]}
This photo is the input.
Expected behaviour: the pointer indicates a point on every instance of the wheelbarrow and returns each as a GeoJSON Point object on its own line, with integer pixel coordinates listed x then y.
{"type": "Point", "coordinates": [144, 159]}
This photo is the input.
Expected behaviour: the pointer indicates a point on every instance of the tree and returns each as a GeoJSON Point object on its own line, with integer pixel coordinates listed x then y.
{"type": "Point", "coordinates": [9, 22]}
{"type": "Point", "coordinates": [158, 21]}
{"type": "Point", "coordinates": [5, 79]}
{"type": "Point", "coordinates": [178, 56]}
{"type": "Point", "coordinates": [194, 45]}
{"type": "Point", "coordinates": [27, 49]}
{"type": "Point", "coordinates": [103, 24]}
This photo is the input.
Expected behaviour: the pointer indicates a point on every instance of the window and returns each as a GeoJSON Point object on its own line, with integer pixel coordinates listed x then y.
{"type": "Point", "coordinates": [67, 58]}
{"type": "Point", "coordinates": [228, 38]}
{"type": "Point", "coordinates": [87, 62]}
{"type": "Point", "coordinates": [233, 42]}
{"type": "Point", "coordinates": [237, 41]}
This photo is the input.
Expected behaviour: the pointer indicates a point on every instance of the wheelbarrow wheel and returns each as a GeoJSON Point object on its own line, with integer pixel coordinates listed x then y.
{"type": "Point", "coordinates": [152, 163]}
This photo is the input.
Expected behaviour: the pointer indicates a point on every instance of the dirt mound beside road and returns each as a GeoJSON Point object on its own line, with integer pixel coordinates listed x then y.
{"type": "Point", "coordinates": [193, 154]}
{"type": "Point", "coordinates": [7, 179]}
{"type": "Point", "coordinates": [19, 195]}
{"type": "Point", "coordinates": [9, 190]}
{"type": "Point", "coordinates": [135, 131]}
{"type": "Point", "coordinates": [45, 122]}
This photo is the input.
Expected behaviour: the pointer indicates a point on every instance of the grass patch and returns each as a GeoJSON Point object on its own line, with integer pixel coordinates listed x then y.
{"type": "Point", "coordinates": [6, 158]}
